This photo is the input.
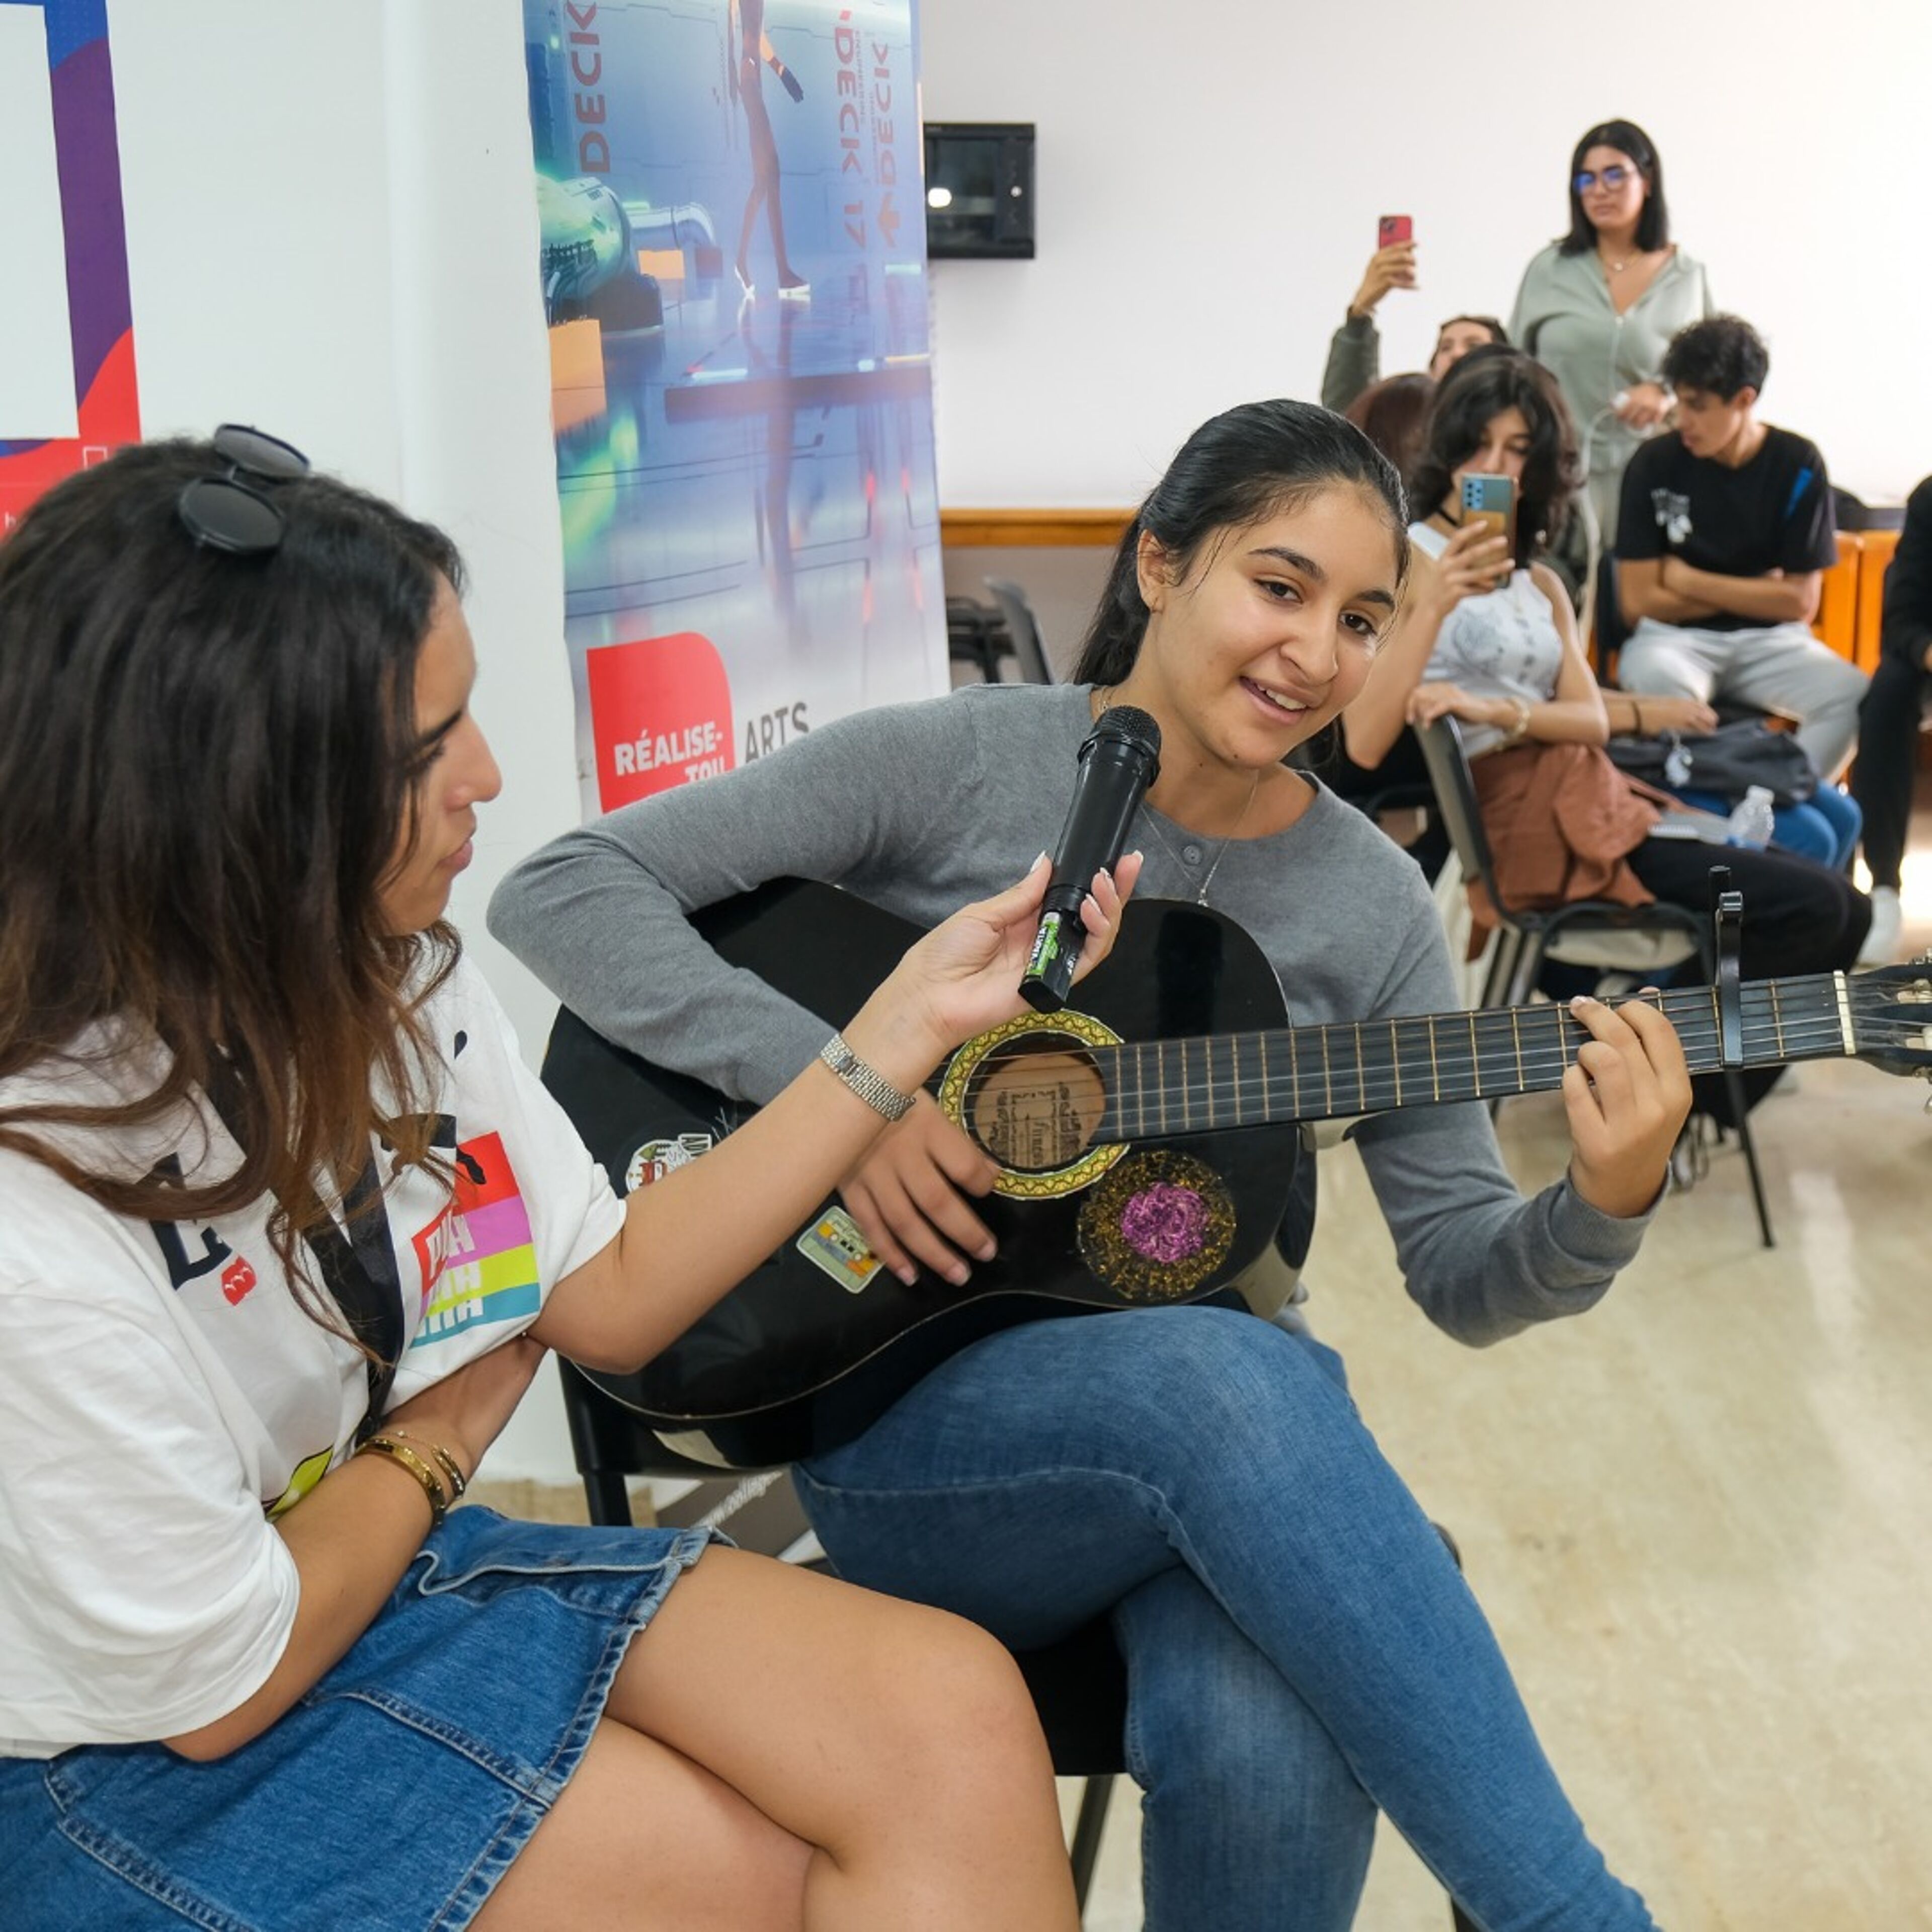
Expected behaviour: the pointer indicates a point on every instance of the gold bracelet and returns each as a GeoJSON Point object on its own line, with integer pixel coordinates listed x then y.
{"type": "Point", "coordinates": [1521, 724]}
{"type": "Point", "coordinates": [451, 1469]}
{"type": "Point", "coordinates": [401, 1453]}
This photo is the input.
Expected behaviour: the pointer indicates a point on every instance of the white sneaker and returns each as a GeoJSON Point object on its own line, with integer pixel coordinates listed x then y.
{"type": "Point", "coordinates": [1881, 942]}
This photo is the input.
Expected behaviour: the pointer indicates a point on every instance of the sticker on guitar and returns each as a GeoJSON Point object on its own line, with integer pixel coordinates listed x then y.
{"type": "Point", "coordinates": [656, 1159]}
{"type": "Point", "coordinates": [833, 1243]}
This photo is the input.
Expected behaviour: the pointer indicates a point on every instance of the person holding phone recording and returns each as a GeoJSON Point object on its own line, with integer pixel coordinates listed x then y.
{"type": "Point", "coordinates": [1354, 351]}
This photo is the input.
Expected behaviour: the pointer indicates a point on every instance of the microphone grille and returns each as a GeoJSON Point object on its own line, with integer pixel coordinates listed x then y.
{"type": "Point", "coordinates": [1130, 726]}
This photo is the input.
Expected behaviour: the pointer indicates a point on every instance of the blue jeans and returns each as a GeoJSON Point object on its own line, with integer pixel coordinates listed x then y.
{"type": "Point", "coordinates": [1300, 1647]}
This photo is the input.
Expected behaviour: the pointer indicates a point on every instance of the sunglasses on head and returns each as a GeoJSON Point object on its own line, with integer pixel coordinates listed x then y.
{"type": "Point", "coordinates": [1613, 178]}
{"type": "Point", "coordinates": [221, 512]}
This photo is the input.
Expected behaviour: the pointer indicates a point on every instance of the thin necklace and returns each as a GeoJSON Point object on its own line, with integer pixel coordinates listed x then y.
{"type": "Point", "coordinates": [1220, 850]}
{"type": "Point", "coordinates": [1103, 699]}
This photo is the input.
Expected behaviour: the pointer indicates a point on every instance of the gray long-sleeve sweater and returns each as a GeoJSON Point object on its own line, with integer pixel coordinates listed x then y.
{"type": "Point", "coordinates": [919, 807]}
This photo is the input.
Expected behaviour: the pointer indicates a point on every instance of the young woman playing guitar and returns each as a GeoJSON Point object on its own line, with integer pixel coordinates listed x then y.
{"type": "Point", "coordinates": [1300, 1648]}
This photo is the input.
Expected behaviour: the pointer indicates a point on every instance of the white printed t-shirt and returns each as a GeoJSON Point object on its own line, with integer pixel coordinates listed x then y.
{"type": "Point", "coordinates": [162, 1395]}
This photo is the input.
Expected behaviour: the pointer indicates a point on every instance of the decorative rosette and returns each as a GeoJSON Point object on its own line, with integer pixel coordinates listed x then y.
{"type": "Point", "coordinates": [1156, 1225]}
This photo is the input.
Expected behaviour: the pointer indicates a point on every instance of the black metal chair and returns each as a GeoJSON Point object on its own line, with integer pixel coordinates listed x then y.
{"type": "Point", "coordinates": [1583, 929]}
{"type": "Point", "coordinates": [1608, 629]}
{"type": "Point", "coordinates": [975, 635]}
{"type": "Point", "coordinates": [1022, 631]}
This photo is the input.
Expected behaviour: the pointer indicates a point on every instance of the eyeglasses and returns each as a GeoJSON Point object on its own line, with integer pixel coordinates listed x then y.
{"type": "Point", "coordinates": [224, 513]}
{"type": "Point", "coordinates": [1612, 177]}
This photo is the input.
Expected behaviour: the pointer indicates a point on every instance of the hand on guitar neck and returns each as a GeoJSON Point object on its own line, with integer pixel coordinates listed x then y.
{"type": "Point", "coordinates": [1627, 1094]}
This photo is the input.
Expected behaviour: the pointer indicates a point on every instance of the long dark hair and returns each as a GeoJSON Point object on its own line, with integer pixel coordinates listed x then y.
{"type": "Point", "coordinates": [1237, 468]}
{"type": "Point", "coordinates": [1482, 385]}
{"type": "Point", "coordinates": [1653, 225]}
{"type": "Point", "coordinates": [207, 765]}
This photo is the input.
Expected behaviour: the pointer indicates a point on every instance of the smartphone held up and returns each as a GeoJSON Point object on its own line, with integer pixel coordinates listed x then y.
{"type": "Point", "coordinates": [1394, 229]}
{"type": "Point", "coordinates": [1489, 502]}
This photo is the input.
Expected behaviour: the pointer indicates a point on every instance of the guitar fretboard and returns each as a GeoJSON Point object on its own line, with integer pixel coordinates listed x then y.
{"type": "Point", "coordinates": [1161, 1088]}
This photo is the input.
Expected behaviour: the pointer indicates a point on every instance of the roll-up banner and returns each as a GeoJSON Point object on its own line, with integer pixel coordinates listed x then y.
{"type": "Point", "coordinates": [734, 274]}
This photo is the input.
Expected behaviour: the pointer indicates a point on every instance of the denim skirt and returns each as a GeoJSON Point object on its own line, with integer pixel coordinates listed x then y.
{"type": "Point", "coordinates": [396, 1793]}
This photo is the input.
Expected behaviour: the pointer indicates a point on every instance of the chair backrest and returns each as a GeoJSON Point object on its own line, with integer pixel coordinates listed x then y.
{"type": "Point", "coordinates": [1029, 653]}
{"type": "Point", "coordinates": [1455, 787]}
{"type": "Point", "coordinates": [1608, 629]}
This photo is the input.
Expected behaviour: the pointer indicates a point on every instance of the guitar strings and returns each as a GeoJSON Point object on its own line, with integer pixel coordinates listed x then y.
{"type": "Point", "coordinates": [1788, 1019]}
{"type": "Point", "coordinates": [1507, 1028]}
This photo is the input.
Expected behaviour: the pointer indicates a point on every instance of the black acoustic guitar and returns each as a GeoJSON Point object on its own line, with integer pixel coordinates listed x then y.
{"type": "Point", "coordinates": [1148, 1144]}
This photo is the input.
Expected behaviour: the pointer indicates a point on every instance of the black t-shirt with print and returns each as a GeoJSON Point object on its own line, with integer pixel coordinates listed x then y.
{"type": "Point", "coordinates": [1772, 513]}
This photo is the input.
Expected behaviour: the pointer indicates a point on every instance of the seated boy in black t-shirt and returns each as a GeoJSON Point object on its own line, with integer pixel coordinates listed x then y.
{"type": "Point", "coordinates": [1723, 534]}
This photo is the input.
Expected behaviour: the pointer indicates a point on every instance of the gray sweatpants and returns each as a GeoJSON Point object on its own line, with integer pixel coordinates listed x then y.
{"type": "Point", "coordinates": [1780, 668]}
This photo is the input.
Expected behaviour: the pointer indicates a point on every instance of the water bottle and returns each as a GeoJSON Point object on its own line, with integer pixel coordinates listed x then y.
{"type": "Point", "coordinates": [1750, 823]}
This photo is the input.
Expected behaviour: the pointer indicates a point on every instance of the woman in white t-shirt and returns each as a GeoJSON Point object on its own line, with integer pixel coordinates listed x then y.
{"type": "Point", "coordinates": [286, 1227]}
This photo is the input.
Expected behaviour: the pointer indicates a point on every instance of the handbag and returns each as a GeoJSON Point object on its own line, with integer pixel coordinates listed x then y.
{"type": "Point", "coordinates": [1728, 761]}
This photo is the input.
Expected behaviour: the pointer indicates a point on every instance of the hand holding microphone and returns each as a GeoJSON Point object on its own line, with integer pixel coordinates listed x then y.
{"type": "Point", "coordinates": [910, 1195]}
{"type": "Point", "coordinates": [1120, 759]}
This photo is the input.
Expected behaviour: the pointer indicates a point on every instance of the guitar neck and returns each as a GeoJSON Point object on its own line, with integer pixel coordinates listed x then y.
{"type": "Point", "coordinates": [1165, 1087]}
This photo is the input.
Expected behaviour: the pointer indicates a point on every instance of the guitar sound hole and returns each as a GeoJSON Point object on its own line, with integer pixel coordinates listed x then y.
{"type": "Point", "coordinates": [1033, 1105]}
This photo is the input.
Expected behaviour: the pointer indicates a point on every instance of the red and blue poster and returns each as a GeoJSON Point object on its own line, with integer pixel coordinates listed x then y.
{"type": "Point", "coordinates": [68, 394]}
{"type": "Point", "coordinates": [734, 274]}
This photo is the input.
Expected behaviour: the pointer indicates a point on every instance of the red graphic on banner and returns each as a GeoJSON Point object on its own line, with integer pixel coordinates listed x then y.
{"type": "Point", "coordinates": [109, 415]}
{"type": "Point", "coordinates": [660, 714]}
{"type": "Point", "coordinates": [93, 222]}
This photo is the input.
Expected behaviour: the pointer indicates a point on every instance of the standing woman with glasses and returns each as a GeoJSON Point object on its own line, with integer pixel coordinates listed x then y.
{"type": "Point", "coordinates": [286, 1227]}
{"type": "Point", "coordinates": [1599, 307]}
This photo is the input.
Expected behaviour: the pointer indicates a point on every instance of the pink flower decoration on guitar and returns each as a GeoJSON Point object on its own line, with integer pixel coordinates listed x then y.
{"type": "Point", "coordinates": [1156, 1225]}
{"type": "Point", "coordinates": [1164, 1223]}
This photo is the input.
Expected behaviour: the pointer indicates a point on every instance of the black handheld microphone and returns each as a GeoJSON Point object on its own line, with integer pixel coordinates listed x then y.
{"type": "Point", "coordinates": [1120, 760]}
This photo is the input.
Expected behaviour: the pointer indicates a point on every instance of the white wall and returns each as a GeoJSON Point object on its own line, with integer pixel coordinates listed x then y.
{"type": "Point", "coordinates": [1210, 172]}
